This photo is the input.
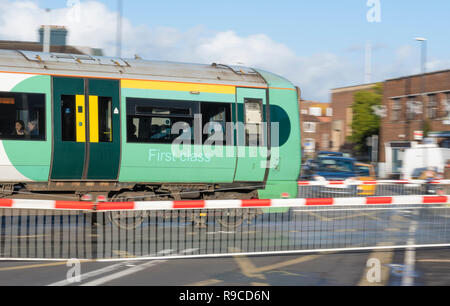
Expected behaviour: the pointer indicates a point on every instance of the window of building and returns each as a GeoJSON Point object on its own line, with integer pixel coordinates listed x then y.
{"type": "Point", "coordinates": [446, 106]}
{"type": "Point", "coordinates": [160, 121]}
{"type": "Point", "coordinates": [349, 118]}
{"type": "Point", "coordinates": [396, 110]}
{"type": "Point", "coordinates": [309, 127]}
{"type": "Point", "coordinates": [315, 111]}
{"type": "Point", "coordinates": [432, 107]}
{"type": "Point", "coordinates": [325, 141]}
{"type": "Point", "coordinates": [309, 145]}
{"type": "Point", "coordinates": [329, 112]}
{"type": "Point", "coordinates": [413, 109]}
{"type": "Point", "coordinates": [22, 116]}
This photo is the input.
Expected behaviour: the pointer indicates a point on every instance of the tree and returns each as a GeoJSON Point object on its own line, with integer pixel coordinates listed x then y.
{"type": "Point", "coordinates": [365, 122]}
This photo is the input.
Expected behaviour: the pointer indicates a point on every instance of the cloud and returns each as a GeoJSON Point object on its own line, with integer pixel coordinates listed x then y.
{"type": "Point", "coordinates": [91, 23]}
{"type": "Point", "coordinates": [435, 64]}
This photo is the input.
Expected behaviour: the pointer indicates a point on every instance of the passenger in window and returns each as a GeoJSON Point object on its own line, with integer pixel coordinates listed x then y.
{"type": "Point", "coordinates": [132, 133]}
{"type": "Point", "coordinates": [33, 128]}
{"type": "Point", "coordinates": [155, 131]}
{"type": "Point", "coordinates": [19, 129]}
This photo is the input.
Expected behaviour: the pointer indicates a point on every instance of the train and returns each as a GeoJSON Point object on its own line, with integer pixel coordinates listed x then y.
{"type": "Point", "coordinates": [145, 130]}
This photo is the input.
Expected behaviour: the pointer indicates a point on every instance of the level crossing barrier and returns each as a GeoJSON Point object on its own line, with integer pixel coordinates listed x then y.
{"type": "Point", "coordinates": [109, 231]}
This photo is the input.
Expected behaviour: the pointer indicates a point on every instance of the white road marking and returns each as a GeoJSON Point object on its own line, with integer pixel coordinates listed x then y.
{"type": "Point", "coordinates": [188, 251]}
{"type": "Point", "coordinates": [410, 256]}
{"type": "Point", "coordinates": [109, 278]}
{"type": "Point", "coordinates": [90, 274]}
{"type": "Point", "coordinates": [111, 268]}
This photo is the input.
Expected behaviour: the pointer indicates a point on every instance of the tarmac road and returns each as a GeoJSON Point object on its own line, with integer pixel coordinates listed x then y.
{"type": "Point", "coordinates": [309, 229]}
{"type": "Point", "coordinates": [431, 268]}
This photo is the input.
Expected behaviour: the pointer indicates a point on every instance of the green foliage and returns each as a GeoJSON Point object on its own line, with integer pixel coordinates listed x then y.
{"type": "Point", "coordinates": [426, 128]}
{"type": "Point", "coordinates": [365, 122]}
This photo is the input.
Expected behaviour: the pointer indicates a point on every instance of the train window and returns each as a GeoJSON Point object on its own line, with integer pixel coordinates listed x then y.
{"type": "Point", "coordinates": [68, 118]}
{"type": "Point", "coordinates": [100, 119]}
{"type": "Point", "coordinates": [254, 122]}
{"type": "Point", "coordinates": [153, 121]}
{"type": "Point", "coordinates": [22, 116]}
{"type": "Point", "coordinates": [215, 117]}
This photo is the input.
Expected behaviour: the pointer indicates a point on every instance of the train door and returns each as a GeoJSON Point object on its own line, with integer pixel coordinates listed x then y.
{"type": "Point", "coordinates": [86, 129]}
{"type": "Point", "coordinates": [252, 143]}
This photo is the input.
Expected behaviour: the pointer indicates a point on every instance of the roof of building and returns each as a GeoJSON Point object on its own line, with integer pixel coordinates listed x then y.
{"type": "Point", "coordinates": [418, 75]}
{"type": "Point", "coordinates": [314, 102]}
{"type": "Point", "coordinates": [353, 87]}
{"type": "Point", "coordinates": [36, 46]}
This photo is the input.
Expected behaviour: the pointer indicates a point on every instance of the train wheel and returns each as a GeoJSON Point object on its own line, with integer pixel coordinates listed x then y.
{"type": "Point", "coordinates": [126, 220]}
{"type": "Point", "coordinates": [230, 218]}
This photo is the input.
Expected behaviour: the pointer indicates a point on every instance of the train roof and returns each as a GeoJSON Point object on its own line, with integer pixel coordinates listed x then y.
{"type": "Point", "coordinates": [119, 68]}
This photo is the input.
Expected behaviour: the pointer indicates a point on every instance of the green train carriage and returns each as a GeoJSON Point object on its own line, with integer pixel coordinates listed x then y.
{"type": "Point", "coordinates": [104, 126]}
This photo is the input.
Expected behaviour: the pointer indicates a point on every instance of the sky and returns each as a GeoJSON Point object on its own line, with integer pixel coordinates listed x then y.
{"type": "Point", "coordinates": [317, 45]}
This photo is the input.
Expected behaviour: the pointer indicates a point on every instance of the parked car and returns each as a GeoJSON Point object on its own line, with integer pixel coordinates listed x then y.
{"type": "Point", "coordinates": [429, 173]}
{"type": "Point", "coordinates": [331, 168]}
{"type": "Point", "coordinates": [329, 153]}
{"type": "Point", "coordinates": [445, 144]}
{"type": "Point", "coordinates": [335, 168]}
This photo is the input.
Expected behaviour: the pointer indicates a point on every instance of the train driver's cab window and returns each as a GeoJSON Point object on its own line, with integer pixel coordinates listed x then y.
{"type": "Point", "coordinates": [254, 122]}
{"type": "Point", "coordinates": [160, 121]}
{"type": "Point", "coordinates": [22, 116]}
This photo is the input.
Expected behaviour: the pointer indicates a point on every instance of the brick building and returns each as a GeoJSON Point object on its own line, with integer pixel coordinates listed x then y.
{"type": "Point", "coordinates": [410, 101]}
{"type": "Point", "coordinates": [316, 127]}
{"type": "Point", "coordinates": [341, 103]}
{"type": "Point", "coordinates": [405, 117]}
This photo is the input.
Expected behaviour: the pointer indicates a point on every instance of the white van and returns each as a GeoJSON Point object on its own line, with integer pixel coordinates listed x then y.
{"type": "Point", "coordinates": [424, 156]}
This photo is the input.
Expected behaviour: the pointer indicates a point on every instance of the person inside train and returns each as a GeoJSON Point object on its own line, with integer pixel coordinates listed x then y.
{"type": "Point", "coordinates": [19, 128]}
{"type": "Point", "coordinates": [33, 128]}
{"type": "Point", "coordinates": [132, 132]}
{"type": "Point", "coordinates": [155, 132]}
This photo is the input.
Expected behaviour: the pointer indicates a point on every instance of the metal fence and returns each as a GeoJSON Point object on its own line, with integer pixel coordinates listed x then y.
{"type": "Point", "coordinates": [223, 228]}
{"type": "Point", "coordinates": [356, 188]}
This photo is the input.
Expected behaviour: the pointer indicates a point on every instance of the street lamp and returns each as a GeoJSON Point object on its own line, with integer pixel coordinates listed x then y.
{"type": "Point", "coordinates": [423, 42]}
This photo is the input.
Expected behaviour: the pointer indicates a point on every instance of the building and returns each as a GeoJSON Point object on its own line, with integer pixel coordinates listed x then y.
{"type": "Point", "coordinates": [315, 118]}
{"type": "Point", "coordinates": [404, 116]}
{"type": "Point", "coordinates": [58, 39]}
{"type": "Point", "coordinates": [413, 104]}
{"type": "Point", "coordinates": [341, 103]}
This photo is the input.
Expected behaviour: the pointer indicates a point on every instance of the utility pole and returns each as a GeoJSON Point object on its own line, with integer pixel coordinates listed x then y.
{"type": "Point", "coordinates": [119, 27]}
{"type": "Point", "coordinates": [368, 70]}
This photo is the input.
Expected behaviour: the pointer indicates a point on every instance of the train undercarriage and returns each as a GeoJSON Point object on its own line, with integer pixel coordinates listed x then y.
{"type": "Point", "coordinates": [228, 219]}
